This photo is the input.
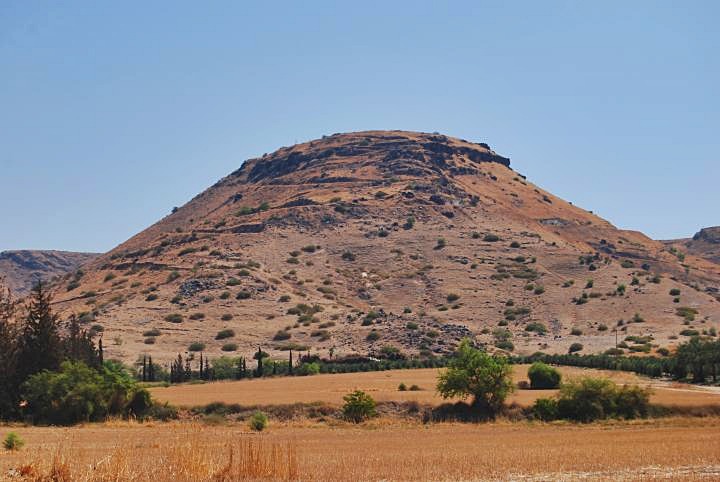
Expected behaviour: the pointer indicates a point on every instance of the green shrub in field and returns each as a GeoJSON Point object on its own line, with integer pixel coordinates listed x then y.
{"type": "Point", "coordinates": [13, 442]}
{"type": "Point", "coordinates": [543, 376]}
{"type": "Point", "coordinates": [591, 399]}
{"type": "Point", "coordinates": [78, 393]}
{"type": "Point", "coordinates": [258, 421]}
{"type": "Point", "coordinates": [359, 406]}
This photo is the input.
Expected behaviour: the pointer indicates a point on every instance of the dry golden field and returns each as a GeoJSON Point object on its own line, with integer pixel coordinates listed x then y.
{"type": "Point", "coordinates": [667, 449]}
{"type": "Point", "coordinates": [382, 386]}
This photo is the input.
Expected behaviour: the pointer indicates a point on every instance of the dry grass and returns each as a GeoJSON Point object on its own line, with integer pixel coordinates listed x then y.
{"type": "Point", "coordinates": [383, 387]}
{"type": "Point", "coordinates": [680, 449]}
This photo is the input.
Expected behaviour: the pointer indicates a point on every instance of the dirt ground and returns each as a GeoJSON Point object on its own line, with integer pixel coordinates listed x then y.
{"type": "Point", "coordinates": [383, 386]}
{"type": "Point", "coordinates": [667, 449]}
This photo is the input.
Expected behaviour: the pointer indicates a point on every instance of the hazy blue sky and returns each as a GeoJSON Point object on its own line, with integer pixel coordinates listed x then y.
{"type": "Point", "coordinates": [111, 113]}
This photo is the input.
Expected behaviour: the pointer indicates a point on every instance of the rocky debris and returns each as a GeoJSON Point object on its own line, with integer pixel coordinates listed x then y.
{"type": "Point", "coordinates": [248, 228]}
{"type": "Point", "coordinates": [555, 222]}
{"type": "Point", "coordinates": [301, 201]}
{"type": "Point", "coordinates": [193, 286]}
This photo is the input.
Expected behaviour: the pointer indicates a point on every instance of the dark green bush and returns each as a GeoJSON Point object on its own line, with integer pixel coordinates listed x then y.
{"type": "Point", "coordinates": [543, 376]}
{"type": "Point", "coordinates": [359, 406]}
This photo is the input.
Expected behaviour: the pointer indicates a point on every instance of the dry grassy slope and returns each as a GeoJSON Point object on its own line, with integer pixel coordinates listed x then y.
{"type": "Point", "coordinates": [22, 269]}
{"type": "Point", "coordinates": [353, 193]}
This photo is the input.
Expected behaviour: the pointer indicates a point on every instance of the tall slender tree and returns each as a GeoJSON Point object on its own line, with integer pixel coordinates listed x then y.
{"type": "Point", "coordinates": [40, 345]}
{"type": "Point", "coordinates": [9, 396]}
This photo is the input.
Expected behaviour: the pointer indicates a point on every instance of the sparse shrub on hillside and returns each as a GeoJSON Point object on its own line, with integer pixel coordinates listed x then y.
{"type": "Point", "coordinates": [224, 334]}
{"type": "Point", "coordinates": [281, 335]}
{"type": "Point", "coordinates": [152, 332]}
{"type": "Point", "coordinates": [536, 327]}
{"type": "Point", "coordinates": [452, 297]}
{"type": "Point", "coordinates": [348, 256]}
{"type": "Point", "coordinates": [196, 346]}
{"type": "Point", "coordinates": [674, 292]}
{"type": "Point", "coordinates": [242, 295]}
{"type": "Point", "coordinates": [174, 318]}
{"type": "Point", "coordinates": [151, 297]}
{"type": "Point", "coordinates": [491, 238]}
{"type": "Point", "coordinates": [373, 336]}
{"type": "Point", "coordinates": [402, 387]}
{"type": "Point", "coordinates": [109, 277]}
{"type": "Point", "coordinates": [576, 332]}
{"type": "Point", "coordinates": [514, 244]}
{"type": "Point", "coordinates": [626, 263]}
{"type": "Point", "coordinates": [358, 406]}
{"type": "Point", "coordinates": [575, 347]}
{"type": "Point", "coordinates": [441, 243]}
{"type": "Point", "coordinates": [543, 376]}
{"type": "Point", "coordinates": [686, 312]}
{"type": "Point", "coordinates": [225, 295]}
{"type": "Point", "coordinates": [411, 325]}
{"type": "Point", "coordinates": [197, 316]}
{"type": "Point", "coordinates": [226, 317]}
{"type": "Point", "coordinates": [229, 347]}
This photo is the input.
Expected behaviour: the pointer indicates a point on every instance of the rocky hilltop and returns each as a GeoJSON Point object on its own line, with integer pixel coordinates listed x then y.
{"type": "Point", "coordinates": [22, 269]}
{"type": "Point", "coordinates": [704, 244]}
{"type": "Point", "coordinates": [377, 241]}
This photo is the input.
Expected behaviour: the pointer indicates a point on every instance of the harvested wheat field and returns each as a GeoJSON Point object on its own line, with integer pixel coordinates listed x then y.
{"type": "Point", "coordinates": [383, 386]}
{"type": "Point", "coordinates": [678, 449]}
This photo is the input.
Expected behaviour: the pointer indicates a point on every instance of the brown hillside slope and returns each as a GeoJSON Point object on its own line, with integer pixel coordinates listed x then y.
{"type": "Point", "coordinates": [22, 269]}
{"type": "Point", "coordinates": [436, 238]}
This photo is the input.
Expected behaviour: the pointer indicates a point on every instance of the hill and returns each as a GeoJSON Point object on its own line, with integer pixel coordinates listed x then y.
{"type": "Point", "coordinates": [704, 244]}
{"type": "Point", "coordinates": [354, 242]}
{"type": "Point", "coordinates": [22, 269]}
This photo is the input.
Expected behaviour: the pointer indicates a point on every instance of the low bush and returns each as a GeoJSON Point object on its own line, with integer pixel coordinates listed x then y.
{"type": "Point", "coordinates": [224, 334]}
{"type": "Point", "coordinates": [543, 376]}
{"type": "Point", "coordinates": [174, 318]}
{"type": "Point", "coordinates": [196, 346]}
{"type": "Point", "coordinates": [13, 442]}
{"type": "Point", "coordinates": [590, 399]}
{"type": "Point", "coordinates": [258, 421]}
{"type": "Point", "coordinates": [359, 406]}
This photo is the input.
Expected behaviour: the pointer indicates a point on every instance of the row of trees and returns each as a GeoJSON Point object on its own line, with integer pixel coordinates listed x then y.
{"type": "Point", "coordinates": [696, 360]}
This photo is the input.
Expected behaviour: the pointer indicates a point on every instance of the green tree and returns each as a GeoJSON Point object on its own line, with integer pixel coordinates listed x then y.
{"type": "Point", "coordinates": [472, 372]}
{"type": "Point", "coordinates": [9, 396]}
{"type": "Point", "coordinates": [543, 376]}
{"type": "Point", "coordinates": [40, 346]}
{"type": "Point", "coordinates": [78, 393]}
{"type": "Point", "coordinates": [358, 406]}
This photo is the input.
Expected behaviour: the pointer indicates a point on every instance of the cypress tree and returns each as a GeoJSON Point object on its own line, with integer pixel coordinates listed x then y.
{"type": "Point", "coordinates": [290, 364]}
{"type": "Point", "coordinates": [152, 369]}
